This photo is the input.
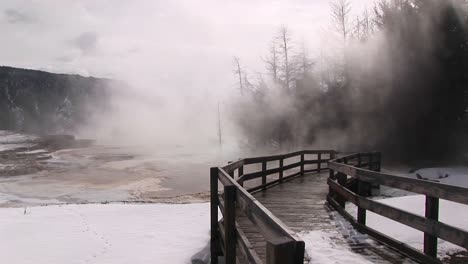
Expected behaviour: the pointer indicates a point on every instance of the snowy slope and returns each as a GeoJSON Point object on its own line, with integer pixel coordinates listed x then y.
{"type": "Point", "coordinates": [98, 233]}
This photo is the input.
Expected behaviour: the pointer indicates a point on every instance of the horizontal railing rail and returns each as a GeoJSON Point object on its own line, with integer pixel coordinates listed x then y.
{"type": "Point", "coordinates": [365, 169]}
{"type": "Point", "coordinates": [227, 237]}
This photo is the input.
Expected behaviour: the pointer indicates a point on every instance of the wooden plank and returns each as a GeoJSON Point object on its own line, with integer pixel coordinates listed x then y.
{"type": "Point", "coordinates": [224, 178]}
{"type": "Point", "coordinates": [439, 190]}
{"type": "Point", "coordinates": [311, 162]}
{"type": "Point", "coordinates": [271, 158]}
{"type": "Point", "coordinates": [222, 235]}
{"type": "Point", "coordinates": [281, 252]}
{"type": "Point", "coordinates": [270, 226]}
{"type": "Point", "coordinates": [247, 253]}
{"type": "Point", "coordinates": [273, 183]}
{"type": "Point", "coordinates": [311, 171]}
{"type": "Point", "coordinates": [231, 167]}
{"type": "Point", "coordinates": [318, 152]}
{"type": "Point", "coordinates": [337, 188]}
{"type": "Point", "coordinates": [258, 174]}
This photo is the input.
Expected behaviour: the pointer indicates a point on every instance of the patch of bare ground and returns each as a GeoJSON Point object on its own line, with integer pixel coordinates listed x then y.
{"type": "Point", "coordinates": [179, 199]}
{"type": "Point", "coordinates": [27, 160]}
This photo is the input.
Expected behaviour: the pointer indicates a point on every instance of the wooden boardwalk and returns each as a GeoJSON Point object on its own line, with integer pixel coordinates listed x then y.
{"type": "Point", "coordinates": [301, 204]}
{"type": "Point", "coordinates": [282, 197]}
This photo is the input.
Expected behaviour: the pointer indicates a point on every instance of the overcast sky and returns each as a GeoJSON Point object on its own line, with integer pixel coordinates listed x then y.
{"type": "Point", "coordinates": [187, 44]}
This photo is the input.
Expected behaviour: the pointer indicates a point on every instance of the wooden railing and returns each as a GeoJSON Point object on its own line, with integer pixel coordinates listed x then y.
{"type": "Point", "coordinates": [364, 168]}
{"type": "Point", "coordinates": [227, 237]}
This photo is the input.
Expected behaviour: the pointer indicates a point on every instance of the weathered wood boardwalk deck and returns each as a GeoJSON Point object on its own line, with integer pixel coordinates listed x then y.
{"type": "Point", "coordinates": [301, 204]}
{"type": "Point", "coordinates": [267, 203]}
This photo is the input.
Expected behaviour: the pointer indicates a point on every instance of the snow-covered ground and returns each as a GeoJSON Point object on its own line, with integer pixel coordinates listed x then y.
{"type": "Point", "coordinates": [11, 140]}
{"type": "Point", "coordinates": [324, 250]}
{"type": "Point", "coordinates": [103, 233]}
{"type": "Point", "coordinates": [451, 213]}
{"type": "Point", "coordinates": [454, 175]}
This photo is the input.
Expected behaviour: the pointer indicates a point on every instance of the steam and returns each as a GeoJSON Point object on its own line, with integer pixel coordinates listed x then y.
{"type": "Point", "coordinates": [398, 89]}
{"type": "Point", "coordinates": [388, 83]}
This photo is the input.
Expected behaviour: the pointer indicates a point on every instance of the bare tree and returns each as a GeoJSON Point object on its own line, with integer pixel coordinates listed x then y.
{"type": "Point", "coordinates": [340, 13]}
{"type": "Point", "coordinates": [220, 135]}
{"type": "Point", "coordinates": [367, 23]}
{"type": "Point", "coordinates": [304, 61]}
{"type": "Point", "coordinates": [238, 71]}
{"type": "Point", "coordinates": [284, 39]}
{"type": "Point", "coordinates": [363, 27]}
{"type": "Point", "coordinates": [272, 61]}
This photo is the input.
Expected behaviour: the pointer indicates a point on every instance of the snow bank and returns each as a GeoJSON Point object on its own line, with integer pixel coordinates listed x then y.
{"type": "Point", "coordinates": [324, 250]}
{"type": "Point", "coordinates": [32, 152]}
{"type": "Point", "coordinates": [455, 175]}
{"type": "Point", "coordinates": [98, 233]}
{"type": "Point", "coordinates": [451, 213]}
{"type": "Point", "coordinates": [11, 137]}
{"type": "Point", "coordinates": [11, 141]}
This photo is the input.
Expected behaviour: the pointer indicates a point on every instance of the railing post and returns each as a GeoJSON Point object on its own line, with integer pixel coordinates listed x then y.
{"type": "Point", "coordinates": [281, 170]}
{"type": "Point", "coordinates": [374, 157]}
{"type": "Point", "coordinates": [264, 168]}
{"type": "Point", "coordinates": [432, 212]}
{"type": "Point", "coordinates": [231, 173]}
{"type": "Point", "coordinates": [379, 161]}
{"type": "Point", "coordinates": [319, 164]}
{"type": "Point", "coordinates": [361, 213]}
{"type": "Point", "coordinates": [281, 251]}
{"type": "Point", "coordinates": [214, 241]}
{"type": "Point", "coordinates": [240, 172]}
{"type": "Point", "coordinates": [342, 179]}
{"type": "Point", "coordinates": [332, 155]}
{"type": "Point", "coordinates": [230, 224]}
{"type": "Point", "coordinates": [332, 175]}
{"type": "Point", "coordinates": [302, 164]}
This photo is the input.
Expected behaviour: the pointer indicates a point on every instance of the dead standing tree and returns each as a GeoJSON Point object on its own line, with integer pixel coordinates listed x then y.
{"type": "Point", "coordinates": [284, 39]}
{"type": "Point", "coordinates": [340, 13]}
{"type": "Point", "coordinates": [238, 71]}
{"type": "Point", "coordinates": [304, 62]}
{"type": "Point", "coordinates": [272, 61]}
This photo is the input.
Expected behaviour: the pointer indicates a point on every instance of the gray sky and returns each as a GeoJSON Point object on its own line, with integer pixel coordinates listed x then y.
{"type": "Point", "coordinates": [176, 54]}
{"type": "Point", "coordinates": [179, 41]}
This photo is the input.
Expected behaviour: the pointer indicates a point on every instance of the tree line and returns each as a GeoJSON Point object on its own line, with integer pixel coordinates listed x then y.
{"type": "Point", "coordinates": [394, 79]}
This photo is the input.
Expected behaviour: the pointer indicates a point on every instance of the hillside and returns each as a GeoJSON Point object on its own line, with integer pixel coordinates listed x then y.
{"type": "Point", "coordinates": [41, 102]}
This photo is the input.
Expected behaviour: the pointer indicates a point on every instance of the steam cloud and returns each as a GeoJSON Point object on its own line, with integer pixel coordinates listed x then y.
{"type": "Point", "coordinates": [398, 86]}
